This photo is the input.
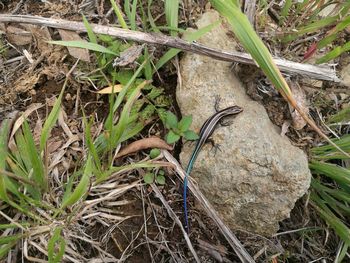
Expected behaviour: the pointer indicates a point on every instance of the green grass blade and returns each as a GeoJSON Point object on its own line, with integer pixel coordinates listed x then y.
{"type": "Point", "coordinates": [91, 146]}
{"type": "Point", "coordinates": [69, 186]}
{"type": "Point", "coordinates": [329, 152]}
{"type": "Point", "coordinates": [129, 133]}
{"type": "Point", "coordinates": [285, 10]}
{"type": "Point", "coordinates": [252, 43]}
{"type": "Point", "coordinates": [312, 27]}
{"type": "Point", "coordinates": [332, 35]}
{"type": "Point", "coordinates": [56, 255]}
{"type": "Point", "coordinates": [127, 8]}
{"type": "Point", "coordinates": [189, 37]}
{"type": "Point", "coordinates": [90, 32]}
{"type": "Point", "coordinates": [35, 159]}
{"type": "Point", "coordinates": [13, 226]}
{"type": "Point", "coordinates": [81, 189]}
{"type": "Point", "coordinates": [13, 186]}
{"type": "Point", "coordinates": [337, 173]}
{"type": "Point", "coordinates": [336, 193]}
{"type": "Point", "coordinates": [22, 155]}
{"type": "Point", "coordinates": [336, 52]}
{"type": "Point", "coordinates": [51, 119]}
{"type": "Point", "coordinates": [20, 164]}
{"type": "Point", "coordinates": [150, 17]}
{"type": "Point", "coordinates": [119, 129]}
{"type": "Point", "coordinates": [125, 89]}
{"type": "Point", "coordinates": [315, 26]}
{"type": "Point", "coordinates": [133, 15]}
{"type": "Point", "coordinates": [119, 14]}
{"type": "Point", "coordinates": [4, 132]}
{"type": "Point", "coordinates": [172, 14]}
{"type": "Point", "coordinates": [340, 228]}
{"type": "Point", "coordinates": [338, 207]}
{"type": "Point", "coordinates": [7, 239]}
{"type": "Point", "coordinates": [4, 250]}
{"type": "Point", "coordinates": [125, 168]}
{"type": "Point", "coordinates": [166, 57]}
{"type": "Point", "coordinates": [16, 164]}
{"type": "Point", "coordinates": [148, 67]}
{"type": "Point", "coordinates": [83, 44]}
{"type": "Point", "coordinates": [341, 116]}
{"type": "Point", "coordinates": [342, 253]}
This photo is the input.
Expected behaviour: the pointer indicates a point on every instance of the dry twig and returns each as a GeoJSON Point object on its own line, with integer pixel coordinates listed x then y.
{"type": "Point", "coordinates": [250, 10]}
{"type": "Point", "coordinates": [311, 71]}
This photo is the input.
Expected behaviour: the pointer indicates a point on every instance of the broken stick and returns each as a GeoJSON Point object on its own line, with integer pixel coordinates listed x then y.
{"type": "Point", "coordinates": [311, 71]}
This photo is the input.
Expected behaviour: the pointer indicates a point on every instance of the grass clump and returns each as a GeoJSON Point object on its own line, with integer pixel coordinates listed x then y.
{"type": "Point", "coordinates": [330, 185]}
{"type": "Point", "coordinates": [306, 18]}
{"type": "Point", "coordinates": [46, 211]}
{"type": "Point", "coordinates": [49, 213]}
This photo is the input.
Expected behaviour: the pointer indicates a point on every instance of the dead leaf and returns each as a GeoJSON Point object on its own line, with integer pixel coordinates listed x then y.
{"type": "Point", "coordinates": [58, 156]}
{"type": "Point", "coordinates": [28, 56]}
{"type": "Point", "coordinates": [110, 89]}
{"type": "Point", "coordinates": [79, 53]}
{"type": "Point", "coordinates": [53, 144]}
{"type": "Point", "coordinates": [18, 123]}
{"type": "Point", "coordinates": [18, 36]}
{"type": "Point", "coordinates": [62, 117]}
{"type": "Point", "coordinates": [37, 131]}
{"type": "Point", "coordinates": [128, 56]}
{"type": "Point", "coordinates": [146, 143]}
{"type": "Point", "coordinates": [2, 29]}
{"type": "Point", "coordinates": [285, 127]}
{"type": "Point", "coordinates": [42, 35]}
{"type": "Point", "coordinates": [299, 95]}
{"type": "Point", "coordinates": [26, 82]}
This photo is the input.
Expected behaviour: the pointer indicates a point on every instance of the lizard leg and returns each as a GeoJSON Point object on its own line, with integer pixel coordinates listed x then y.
{"type": "Point", "coordinates": [217, 103]}
{"type": "Point", "coordinates": [214, 145]}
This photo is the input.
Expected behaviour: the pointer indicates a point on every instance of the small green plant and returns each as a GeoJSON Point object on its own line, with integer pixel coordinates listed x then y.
{"type": "Point", "coordinates": [3, 47]}
{"type": "Point", "coordinates": [179, 128]}
{"type": "Point", "coordinates": [157, 177]}
{"type": "Point", "coordinates": [154, 153]}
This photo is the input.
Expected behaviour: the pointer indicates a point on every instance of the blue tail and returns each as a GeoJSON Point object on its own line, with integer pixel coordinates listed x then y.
{"type": "Point", "coordinates": [189, 168]}
{"type": "Point", "coordinates": [185, 203]}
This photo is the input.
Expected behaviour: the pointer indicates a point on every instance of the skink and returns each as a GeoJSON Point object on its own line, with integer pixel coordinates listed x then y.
{"type": "Point", "coordinates": [205, 132]}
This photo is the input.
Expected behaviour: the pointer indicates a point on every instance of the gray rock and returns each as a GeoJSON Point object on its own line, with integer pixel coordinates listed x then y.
{"type": "Point", "coordinates": [255, 178]}
{"type": "Point", "coordinates": [345, 74]}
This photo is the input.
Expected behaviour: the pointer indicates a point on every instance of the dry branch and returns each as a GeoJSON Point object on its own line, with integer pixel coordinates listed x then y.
{"type": "Point", "coordinates": [315, 72]}
{"type": "Point", "coordinates": [250, 10]}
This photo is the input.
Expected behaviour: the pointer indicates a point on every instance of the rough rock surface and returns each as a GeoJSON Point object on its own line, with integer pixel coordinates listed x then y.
{"type": "Point", "coordinates": [345, 74]}
{"type": "Point", "coordinates": [255, 178]}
